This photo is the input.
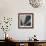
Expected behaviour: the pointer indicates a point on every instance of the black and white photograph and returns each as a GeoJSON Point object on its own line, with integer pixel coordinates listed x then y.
{"type": "Point", "coordinates": [25, 20]}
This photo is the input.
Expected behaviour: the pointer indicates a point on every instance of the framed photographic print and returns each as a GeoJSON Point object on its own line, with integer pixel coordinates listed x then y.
{"type": "Point", "coordinates": [25, 20]}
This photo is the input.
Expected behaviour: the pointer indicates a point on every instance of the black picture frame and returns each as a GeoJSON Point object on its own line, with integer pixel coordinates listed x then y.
{"type": "Point", "coordinates": [25, 20]}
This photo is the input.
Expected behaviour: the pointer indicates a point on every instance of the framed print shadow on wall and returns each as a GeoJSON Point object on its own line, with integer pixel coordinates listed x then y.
{"type": "Point", "coordinates": [25, 20]}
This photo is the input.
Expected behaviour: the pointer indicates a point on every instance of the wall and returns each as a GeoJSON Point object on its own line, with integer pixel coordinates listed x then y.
{"type": "Point", "coordinates": [11, 8]}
